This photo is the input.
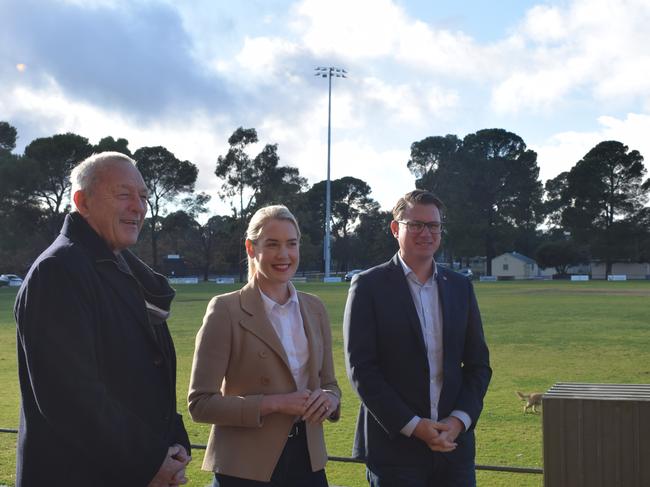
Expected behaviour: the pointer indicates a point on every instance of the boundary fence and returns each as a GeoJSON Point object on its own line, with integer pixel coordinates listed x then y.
{"type": "Point", "coordinates": [491, 468]}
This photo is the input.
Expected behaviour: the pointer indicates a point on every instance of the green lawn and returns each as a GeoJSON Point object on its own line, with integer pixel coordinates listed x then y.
{"type": "Point", "coordinates": [539, 333]}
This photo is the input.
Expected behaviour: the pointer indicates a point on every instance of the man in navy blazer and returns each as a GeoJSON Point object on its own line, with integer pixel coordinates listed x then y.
{"type": "Point", "coordinates": [416, 355]}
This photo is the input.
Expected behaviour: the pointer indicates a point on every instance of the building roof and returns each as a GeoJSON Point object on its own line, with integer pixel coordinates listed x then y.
{"type": "Point", "coordinates": [519, 256]}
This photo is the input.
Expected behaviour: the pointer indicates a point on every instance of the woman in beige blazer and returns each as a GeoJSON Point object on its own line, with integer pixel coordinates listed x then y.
{"type": "Point", "coordinates": [263, 373]}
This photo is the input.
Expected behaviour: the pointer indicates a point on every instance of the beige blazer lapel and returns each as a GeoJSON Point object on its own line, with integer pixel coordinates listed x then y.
{"type": "Point", "coordinates": [311, 324]}
{"type": "Point", "coordinates": [257, 322]}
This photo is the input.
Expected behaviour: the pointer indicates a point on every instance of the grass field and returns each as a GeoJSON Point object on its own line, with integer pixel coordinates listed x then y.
{"type": "Point", "coordinates": [539, 333]}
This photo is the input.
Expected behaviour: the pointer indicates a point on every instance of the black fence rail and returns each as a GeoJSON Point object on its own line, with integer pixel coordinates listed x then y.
{"type": "Point", "coordinates": [491, 468]}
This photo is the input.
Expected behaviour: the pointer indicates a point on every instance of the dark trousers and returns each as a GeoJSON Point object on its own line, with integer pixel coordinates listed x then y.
{"type": "Point", "coordinates": [440, 472]}
{"type": "Point", "coordinates": [435, 469]}
{"type": "Point", "coordinates": [292, 470]}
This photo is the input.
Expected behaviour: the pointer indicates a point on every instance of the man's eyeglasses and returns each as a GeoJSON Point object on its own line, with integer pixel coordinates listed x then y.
{"type": "Point", "coordinates": [418, 227]}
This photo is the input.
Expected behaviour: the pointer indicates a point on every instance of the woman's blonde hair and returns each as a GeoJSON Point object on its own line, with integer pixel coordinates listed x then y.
{"type": "Point", "coordinates": [256, 225]}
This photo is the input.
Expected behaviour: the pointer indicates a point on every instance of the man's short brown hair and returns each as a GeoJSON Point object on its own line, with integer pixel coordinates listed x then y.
{"type": "Point", "coordinates": [416, 197]}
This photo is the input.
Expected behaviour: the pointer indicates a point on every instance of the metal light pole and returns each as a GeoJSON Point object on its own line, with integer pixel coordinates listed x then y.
{"type": "Point", "coordinates": [328, 72]}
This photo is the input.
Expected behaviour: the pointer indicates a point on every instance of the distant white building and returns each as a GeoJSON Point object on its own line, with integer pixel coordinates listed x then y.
{"type": "Point", "coordinates": [513, 265]}
{"type": "Point", "coordinates": [633, 270]}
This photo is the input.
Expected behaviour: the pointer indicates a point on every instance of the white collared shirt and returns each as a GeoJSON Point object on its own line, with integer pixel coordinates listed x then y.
{"type": "Point", "coordinates": [427, 304]}
{"type": "Point", "coordinates": [287, 323]}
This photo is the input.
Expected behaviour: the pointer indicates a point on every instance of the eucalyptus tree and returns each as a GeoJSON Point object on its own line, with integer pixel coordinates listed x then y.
{"type": "Point", "coordinates": [110, 144]}
{"type": "Point", "coordinates": [350, 201]}
{"type": "Point", "coordinates": [256, 181]}
{"type": "Point", "coordinates": [373, 242]}
{"type": "Point", "coordinates": [561, 254]}
{"type": "Point", "coordinates": [51, 159]}
{"type": "Point", "coordinates": [22, 218]}
{"type": "Point", "coordinates": [235, 166]}
{"type": "Point", "coordinates": [272, 183]}
{"type": "Point", "coordinates": [166, 177]}
{"type": "Point", "coordinates": [605, 191]}
{"type": "Point", "coordinates": [490, 185]}
{"type": "Point", "coordinates": [8, 136]}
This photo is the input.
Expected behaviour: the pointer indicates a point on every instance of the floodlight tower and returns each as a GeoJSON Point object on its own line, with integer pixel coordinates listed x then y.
{"type": "Point", "coordinates": [328, 72]}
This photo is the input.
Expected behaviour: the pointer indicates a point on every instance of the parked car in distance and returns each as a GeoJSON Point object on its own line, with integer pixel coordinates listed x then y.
{"type": "Point", "coordinates": [467, 272]}
{"type": "Point", "coordinates": [351, 274]}
{"type": "Point", "coordinates": [10, 280]}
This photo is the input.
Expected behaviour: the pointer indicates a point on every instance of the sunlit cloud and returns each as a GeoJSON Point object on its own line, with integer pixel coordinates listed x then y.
{"type": "Point", "coordinates": [585, 47]}
{"type": "Point", "coordinates": [186, 75]}
{"type": "Point", "coordinates": [380, 30]}
{"type": "Point", "coordinates": [199, 136]}
{"type": "Point", "coordinates": [561, 151]}
{"type": "Point", "coordinates": [259, 55]}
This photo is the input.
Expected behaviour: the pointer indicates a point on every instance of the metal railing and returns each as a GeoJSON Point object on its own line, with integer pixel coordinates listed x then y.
{"type": "Point", "coordinates": [491, 468]}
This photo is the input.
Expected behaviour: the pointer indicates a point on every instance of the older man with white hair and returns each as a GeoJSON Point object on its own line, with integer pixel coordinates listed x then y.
{"type": "Point", "coordinates": [96, 361]}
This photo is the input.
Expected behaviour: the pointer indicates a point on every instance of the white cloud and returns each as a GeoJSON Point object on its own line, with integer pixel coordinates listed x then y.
{"type": "Point", "coordinates": [350, 29]}
{"type": "Point", "coordinates": [373, 30]}
{"type": "Point", "coordinates": [259, 55]}
{"type": "Point", "coordinates": [561, 151]}
{"type": "Point", "coordinates": [302, 137]}
{"type": "Point", "coordinates": [439, 99]}
{"type": "Point", "coordinates": [400, 100]}
{"type": "Point", "coordinates": [385, 171]}
{"type": "Point", "coordinates": [95, 3]}
{"type": "Point", "coordinates": [597, 46]}
{"type": "Point", "coordinates": [408, 79]}
{"type": "Point", "coordinates": [197, 137]}
{"type": "Point", "coordinates": [545, 23]}
{"type": "Point", "coordinates": [538, 91]}
{"type": "Point", "coordinates": [406, 102]}
{"type": "Point", "coordinates": [303, 144]}
{"type": "Point", "coordinates": [442, 52]}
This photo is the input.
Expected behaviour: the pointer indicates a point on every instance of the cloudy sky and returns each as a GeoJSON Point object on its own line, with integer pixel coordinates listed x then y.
{"type": "Point", "coordinates": [564, 75]}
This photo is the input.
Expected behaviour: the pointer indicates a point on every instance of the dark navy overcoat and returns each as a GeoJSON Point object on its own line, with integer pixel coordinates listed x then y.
{"type": "Point", "coordinates": [97, 370]}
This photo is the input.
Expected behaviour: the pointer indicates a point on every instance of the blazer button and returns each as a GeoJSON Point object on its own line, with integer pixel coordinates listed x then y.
{"type": "Point", "coordinates": [263, 353]}
{"type": "Point", "coordinates": [265, 381]}
{"type": "Point", "coordinates": [158, 361]}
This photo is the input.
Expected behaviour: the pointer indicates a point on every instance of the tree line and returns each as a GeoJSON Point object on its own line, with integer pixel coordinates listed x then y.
{"type": "Point", "coordinates": [489, 181]}
{"type": "Point", "coordinates": [35, 186]}
{"type": "Point", "coordinates": [496, 201]}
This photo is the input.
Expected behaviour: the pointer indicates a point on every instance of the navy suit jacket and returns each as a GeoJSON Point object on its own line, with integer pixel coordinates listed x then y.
{"type": "Point", "coordinates": [387, 363]}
